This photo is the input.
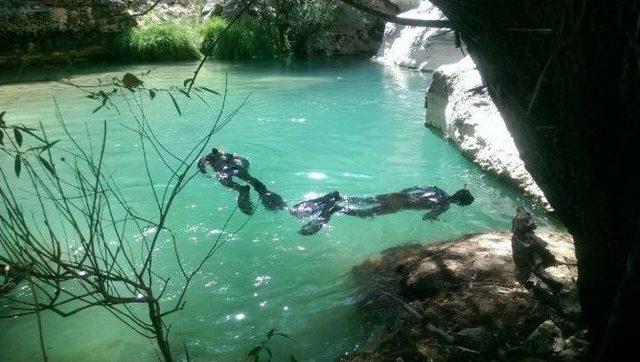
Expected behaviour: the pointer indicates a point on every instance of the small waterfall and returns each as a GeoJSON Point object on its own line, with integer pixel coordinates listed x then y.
{"type": "Point", "coordinates": [417, 47]}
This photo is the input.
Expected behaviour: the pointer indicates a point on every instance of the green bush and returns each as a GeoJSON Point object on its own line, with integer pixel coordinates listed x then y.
{"type": "Point", "coordinates": [310, 26]}
{"type": "Point", "coordinates": [247, 38]}
{"type": "Point", "coordinates": [158, 42]}
{"type": "Point", "coordinates": [303, 27]}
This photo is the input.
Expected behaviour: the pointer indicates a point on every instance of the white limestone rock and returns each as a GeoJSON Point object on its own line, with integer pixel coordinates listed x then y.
{"type": "Point", "coordinates": [472, 121]}
{"type": "Point", "coordinates": [418, 47]}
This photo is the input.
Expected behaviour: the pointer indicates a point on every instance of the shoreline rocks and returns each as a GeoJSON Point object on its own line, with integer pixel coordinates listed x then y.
{"type": "Point", "coordinates": [461, 300]}
{"type": "Point", "coordinates": [460, 108]}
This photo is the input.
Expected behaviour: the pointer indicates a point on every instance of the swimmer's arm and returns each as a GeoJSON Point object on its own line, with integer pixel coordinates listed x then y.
{"type": "Point", "coordinates": [202, 166]}
{"type": "Point", "coordinates": [433, 214]}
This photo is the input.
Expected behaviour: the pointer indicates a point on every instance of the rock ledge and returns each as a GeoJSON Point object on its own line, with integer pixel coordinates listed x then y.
{"type": "Point", "coordinates": [460, 300]}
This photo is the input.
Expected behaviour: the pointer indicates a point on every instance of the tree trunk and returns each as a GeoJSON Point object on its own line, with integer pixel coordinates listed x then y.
{"type": "Point", "coordinates": [571, 99]}
{"type": "Point", "coordinates": [156, 322]}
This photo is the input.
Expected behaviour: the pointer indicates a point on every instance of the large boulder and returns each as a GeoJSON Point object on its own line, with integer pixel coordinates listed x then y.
{"type": "Point", "coordinates": [460, 109]}
{"type": "Point", "coordinates": [461, 300]}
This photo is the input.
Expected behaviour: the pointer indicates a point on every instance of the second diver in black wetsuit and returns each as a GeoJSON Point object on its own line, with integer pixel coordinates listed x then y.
{"type": "Point", "coordinates": [226, 166]}
{"type": "Point", "coordinates": [414, 198]}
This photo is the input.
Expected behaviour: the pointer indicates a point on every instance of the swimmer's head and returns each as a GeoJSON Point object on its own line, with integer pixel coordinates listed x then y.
{"type": "Point", "coordinates": [214, 151]}
{"type": "Point", "coordinates": [462, 197]}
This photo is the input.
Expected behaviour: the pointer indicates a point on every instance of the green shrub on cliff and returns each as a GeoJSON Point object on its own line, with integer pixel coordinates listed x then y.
{"type": "Point", "coordinates": [158, 42]}
{"type": "Point", "coordinates": [302, 27]}
{"type": "Point", "coordinates": [310, 26]}
{"type": "Point", "coordinates": [247, 38]}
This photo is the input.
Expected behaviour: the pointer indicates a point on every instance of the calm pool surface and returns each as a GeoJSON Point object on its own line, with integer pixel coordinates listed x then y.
{"type": "Point", "coordinates": [308, 128]}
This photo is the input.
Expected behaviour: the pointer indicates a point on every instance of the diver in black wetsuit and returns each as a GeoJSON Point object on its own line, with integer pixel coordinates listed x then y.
{"type": "Point", "coordinates": [414, 198]}
{"type": "Point", "coordinates": [226, 166]}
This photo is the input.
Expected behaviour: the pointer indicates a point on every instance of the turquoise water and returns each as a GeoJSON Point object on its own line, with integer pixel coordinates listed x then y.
{"type": "Point", "coordinates": [308, 128]}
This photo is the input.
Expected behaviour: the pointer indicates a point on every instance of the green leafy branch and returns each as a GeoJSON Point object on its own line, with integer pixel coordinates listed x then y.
{"type": "Point", "coordinates": [12, 140]}
{"type": "Point", "coordinates": [132, 83]}
{"type": "Point", "coordinates": [263, 349]}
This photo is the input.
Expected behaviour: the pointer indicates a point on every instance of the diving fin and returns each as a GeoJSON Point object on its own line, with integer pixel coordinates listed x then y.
{"type": "Point", "coordinates": [272, 201]}
{"type": "Point", "coordinates": [244, 202]}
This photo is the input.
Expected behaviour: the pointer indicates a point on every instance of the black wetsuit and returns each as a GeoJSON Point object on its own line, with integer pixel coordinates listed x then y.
{"type": "Point", "coordinates": [226, 166]}
{"type": "Point", "coordinates": [414, 198]}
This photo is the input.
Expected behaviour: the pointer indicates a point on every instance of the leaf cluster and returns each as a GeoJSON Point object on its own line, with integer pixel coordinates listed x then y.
{"type": "Point", "coordinates": [12, 139]}
{"type": "Point", "coordinates": [105, 91]}
{"type": "Point", "coordinates": [263, 348]}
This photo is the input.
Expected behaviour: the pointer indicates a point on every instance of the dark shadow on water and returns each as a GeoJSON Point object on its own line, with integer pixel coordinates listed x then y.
{"type": "Point", "coordinates": [53, 73]}
{"type": "Point", "coordinates": [47, 73]}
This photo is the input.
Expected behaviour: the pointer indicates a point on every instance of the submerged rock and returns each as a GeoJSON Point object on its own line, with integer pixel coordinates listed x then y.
{"type": "Point", "coordinates": [461, 300]}
{"type": "Point", "coordinates": [462, 111]}
{"type": "Point", "coordinates": [418, 47]}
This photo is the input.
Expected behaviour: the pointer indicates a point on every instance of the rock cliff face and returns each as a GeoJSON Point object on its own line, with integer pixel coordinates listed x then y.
{"type": "Point", "coordinates": [463, 112]}
{"type": "Point", "coordinates": [416, 47]}
{"type": "Point", "coordinates": [354, 33]}
{"type": "Point", "coordinates": [39, 29]}
{"type": "Point", "coordinates": [37, 16]}
{"type": "Point", "coordinates": [188, 11]}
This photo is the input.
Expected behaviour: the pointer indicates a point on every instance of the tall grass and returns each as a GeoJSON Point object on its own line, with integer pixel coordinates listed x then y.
{"type": "Point", "coordinates": [158, 42]}
{"type": "Point", "coordinates": [247, 38]}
